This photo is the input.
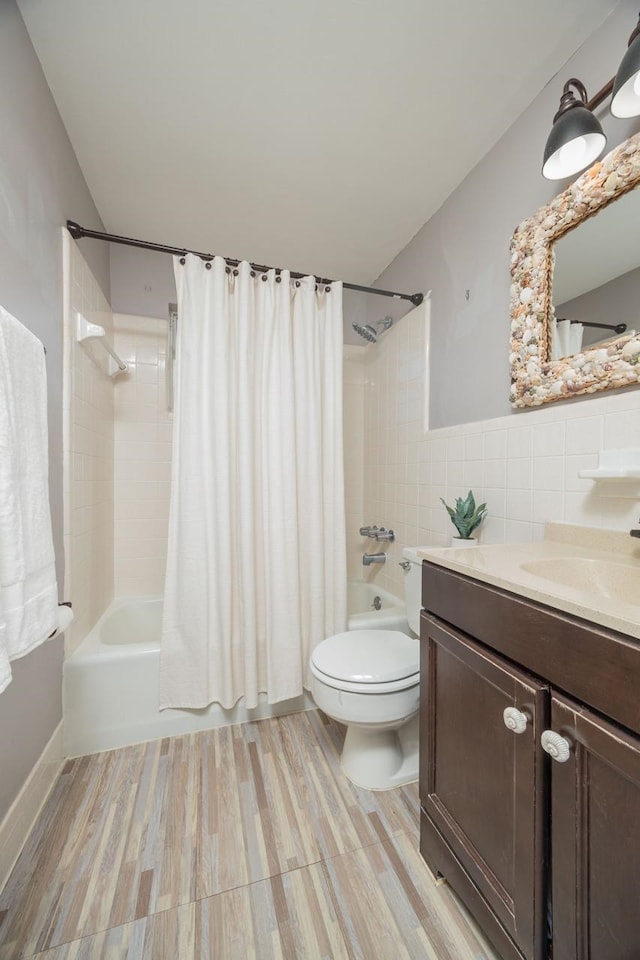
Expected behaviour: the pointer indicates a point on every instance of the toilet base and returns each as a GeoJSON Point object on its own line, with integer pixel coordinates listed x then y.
{"type": "Point", "coordinates": [379, 758]}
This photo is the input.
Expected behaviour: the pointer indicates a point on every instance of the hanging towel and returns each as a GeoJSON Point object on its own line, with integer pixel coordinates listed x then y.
{"type": "Point", "coordinates": [5, 667]}
{"type": "Point", "coordinates": [28, 590]}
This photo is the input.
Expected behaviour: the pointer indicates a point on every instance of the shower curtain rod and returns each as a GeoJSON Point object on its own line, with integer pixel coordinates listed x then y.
{"type": "Point", "coordinates": [78, 232]}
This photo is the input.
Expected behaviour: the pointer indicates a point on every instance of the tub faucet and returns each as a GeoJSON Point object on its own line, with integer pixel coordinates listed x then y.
{"type": "Point", "coordinates": [369, 558]}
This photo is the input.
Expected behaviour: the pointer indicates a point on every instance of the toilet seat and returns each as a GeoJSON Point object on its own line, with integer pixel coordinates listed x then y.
{"type": "Point", "coordinates": [367, 661]}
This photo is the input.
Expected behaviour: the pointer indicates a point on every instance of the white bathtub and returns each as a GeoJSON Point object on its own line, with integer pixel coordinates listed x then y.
{"type": "Point", "coordinates": [110, 685]}
{"type": "Point", "coordinates": [362, 600]}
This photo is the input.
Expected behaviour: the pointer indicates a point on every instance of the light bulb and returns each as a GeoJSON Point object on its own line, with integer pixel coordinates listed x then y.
{"type": "Point", "coordinates": [572, 154]}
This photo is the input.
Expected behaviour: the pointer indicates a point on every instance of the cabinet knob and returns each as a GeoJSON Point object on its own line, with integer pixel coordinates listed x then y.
{"type": "Point", "coordinates": [515, 720]}
{"type": "Point", "coordinates": [558, 748]}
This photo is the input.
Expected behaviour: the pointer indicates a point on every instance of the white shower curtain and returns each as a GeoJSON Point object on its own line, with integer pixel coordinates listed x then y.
{"type": "Point", "coordinates": [256, 567]}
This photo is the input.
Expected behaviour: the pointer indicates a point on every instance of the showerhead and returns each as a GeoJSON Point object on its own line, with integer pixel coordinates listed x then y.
{"type": "Point", "coordinates": [371, 332]}
{"type": "Point", "coordinates": [366, 331]}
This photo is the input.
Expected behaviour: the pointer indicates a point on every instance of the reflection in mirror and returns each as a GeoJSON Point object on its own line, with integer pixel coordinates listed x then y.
{"type": "Point", "coordinates": [596, 279]}
{"type": "Point", "coordinates": [611, 269]}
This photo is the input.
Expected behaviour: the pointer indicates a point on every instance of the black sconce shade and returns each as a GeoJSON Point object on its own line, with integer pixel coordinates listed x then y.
{"type": "Point", "coordinates": [576, 138]}
{"type": "Point", "coordinates": [625, 99]}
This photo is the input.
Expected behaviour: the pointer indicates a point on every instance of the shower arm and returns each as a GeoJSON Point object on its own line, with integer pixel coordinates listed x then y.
{"type": "Point", "coordinates": [78, 232]}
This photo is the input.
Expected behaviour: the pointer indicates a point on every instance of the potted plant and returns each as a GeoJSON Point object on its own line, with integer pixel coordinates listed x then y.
{"type": "Point", "coordinates": [465, 517]}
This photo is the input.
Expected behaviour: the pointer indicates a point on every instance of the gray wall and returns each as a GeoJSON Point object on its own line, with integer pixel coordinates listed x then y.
{"type": "Point", "coordinates": [462, 253]}
{"type": "Point", "coordinates": [40, 187]}
{"type": "Point", "coordinates": [142, 282]}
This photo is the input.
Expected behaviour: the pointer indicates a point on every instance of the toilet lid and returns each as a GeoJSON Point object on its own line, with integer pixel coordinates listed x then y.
{"type": "Point", "coordinates": [368, 656]}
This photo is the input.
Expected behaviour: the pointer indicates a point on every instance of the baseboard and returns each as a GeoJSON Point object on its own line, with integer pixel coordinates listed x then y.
{"type": "Point", "coordinates": [22, 814]}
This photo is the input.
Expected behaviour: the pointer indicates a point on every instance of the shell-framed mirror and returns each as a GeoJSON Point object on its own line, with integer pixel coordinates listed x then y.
{"type": "Point", "coordinates": [600, 281]}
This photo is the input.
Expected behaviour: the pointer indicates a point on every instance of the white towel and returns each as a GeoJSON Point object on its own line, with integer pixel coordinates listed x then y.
{"type": "Point", "coordinates": [5, 666]}
{"type": "Point", "coordinates": [28, 590]}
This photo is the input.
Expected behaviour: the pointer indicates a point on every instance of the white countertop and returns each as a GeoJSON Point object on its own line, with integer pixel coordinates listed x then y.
{"type": "Point", "coordinates": [604, 590]}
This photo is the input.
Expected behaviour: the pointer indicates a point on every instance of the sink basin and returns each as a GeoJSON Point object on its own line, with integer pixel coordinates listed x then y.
{"type": "Point", "coordinates": [599, 578]}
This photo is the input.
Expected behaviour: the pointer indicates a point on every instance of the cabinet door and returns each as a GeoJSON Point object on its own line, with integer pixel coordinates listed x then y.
{"type": "Point", "coordinates": [481, 784]}
{"type": "Point", "coordinates": [595, 838]}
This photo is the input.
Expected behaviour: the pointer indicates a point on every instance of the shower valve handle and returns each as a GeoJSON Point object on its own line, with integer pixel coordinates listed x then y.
{"type": "Point", "coordinates": [383, 534]}
{"type": "Point", "coordinates": [368, 531]}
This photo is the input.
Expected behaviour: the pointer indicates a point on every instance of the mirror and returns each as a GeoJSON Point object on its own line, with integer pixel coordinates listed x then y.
{"type": "Point", "coordinates": [596, 278]}
{"type": "Point", "coordinates": [578, 258]}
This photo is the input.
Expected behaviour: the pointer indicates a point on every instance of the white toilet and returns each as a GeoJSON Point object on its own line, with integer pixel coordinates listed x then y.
{"type": "Point", "coordinates": [370, 681]}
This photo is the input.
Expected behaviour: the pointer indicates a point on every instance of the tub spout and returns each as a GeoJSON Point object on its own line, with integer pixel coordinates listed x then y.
{"type": "Point", "coordinates": [369, 558]}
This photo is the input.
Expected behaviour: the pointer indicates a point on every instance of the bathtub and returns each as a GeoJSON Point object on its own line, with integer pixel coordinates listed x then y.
{"type": "Point", "coordinates": [110, 683]}
{"type": "Point", "coordinates": [362, 600]}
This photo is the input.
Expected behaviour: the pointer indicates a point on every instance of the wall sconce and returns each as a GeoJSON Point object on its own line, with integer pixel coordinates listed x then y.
{"type": "Point", "coordinates": [576, 137]}
{"type": "Point", "coordinates": [625, 101]}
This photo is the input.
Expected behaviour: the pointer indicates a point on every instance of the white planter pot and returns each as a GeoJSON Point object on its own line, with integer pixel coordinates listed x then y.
{"type": "Point", "coordinates": [464, 542]}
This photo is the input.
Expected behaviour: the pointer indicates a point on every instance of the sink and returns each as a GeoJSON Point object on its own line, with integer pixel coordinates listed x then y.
{"type": "Point", "coordinates": [599, 578]}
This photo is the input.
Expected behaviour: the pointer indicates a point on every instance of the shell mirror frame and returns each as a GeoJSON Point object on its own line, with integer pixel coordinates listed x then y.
{"type": "Point", "coordinates": [535, 378]}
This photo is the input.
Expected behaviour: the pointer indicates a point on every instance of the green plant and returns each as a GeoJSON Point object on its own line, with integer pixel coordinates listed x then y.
{"type": "Point", "coordinates": [466, 516]}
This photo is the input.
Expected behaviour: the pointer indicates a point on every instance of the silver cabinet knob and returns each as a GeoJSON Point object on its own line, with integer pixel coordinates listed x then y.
{"type": "Point", "coordinates": [515, 720]}
{"type": "Point", "coordinates": [558, 748]}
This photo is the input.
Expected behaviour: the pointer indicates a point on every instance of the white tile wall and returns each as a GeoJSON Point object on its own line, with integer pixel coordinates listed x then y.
{"type": "Point", "coordinates": [353, 386]}
{"type": "Point", "coordinates": [142, 457]}
{"type": "Point", "coordinates": [88, 452]}
{"type": "Point", "coordinates": [400, 480]}
{"type": "Point", "coordinates": [525, 465]}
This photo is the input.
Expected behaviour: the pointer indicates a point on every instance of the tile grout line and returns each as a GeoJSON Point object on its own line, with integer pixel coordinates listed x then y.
{"type": "Point", "coordinates": [240, 886]}
{"type": "Point", "coordinates": [362, 821]}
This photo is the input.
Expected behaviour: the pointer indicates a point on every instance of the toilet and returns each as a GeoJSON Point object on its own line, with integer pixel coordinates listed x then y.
{"type": "Point", "coordinates": [370, 681]}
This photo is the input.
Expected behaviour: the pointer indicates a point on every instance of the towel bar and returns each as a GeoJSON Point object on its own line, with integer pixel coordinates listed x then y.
{"type": "Point", "coordinates": [85, 330]}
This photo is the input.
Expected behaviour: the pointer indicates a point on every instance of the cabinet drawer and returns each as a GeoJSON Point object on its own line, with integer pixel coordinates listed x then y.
{"type": "Point", "coordinates": [595, 665]}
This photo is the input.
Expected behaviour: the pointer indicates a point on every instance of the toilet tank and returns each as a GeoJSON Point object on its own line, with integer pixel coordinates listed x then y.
{"type": "Point", "coordinates": [413, 587]}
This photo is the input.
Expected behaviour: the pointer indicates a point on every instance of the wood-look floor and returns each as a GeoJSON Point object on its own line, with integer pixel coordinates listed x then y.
{"type": "Point", "coordinates": [236, 843]}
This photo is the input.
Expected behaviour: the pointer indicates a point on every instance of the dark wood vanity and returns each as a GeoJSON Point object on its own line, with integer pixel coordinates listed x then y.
{"type": "Point", "coordinates": [545, 853]}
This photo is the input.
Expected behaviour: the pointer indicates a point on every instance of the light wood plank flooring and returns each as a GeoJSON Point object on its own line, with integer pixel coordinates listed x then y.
{"type": "Point", "coordinates": [236, 843]}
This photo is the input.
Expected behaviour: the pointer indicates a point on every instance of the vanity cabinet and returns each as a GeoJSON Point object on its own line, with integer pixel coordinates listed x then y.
{"type": "Point", "coordinates": [595, 838]}
{"type": "Point", "coordinates": [545, 854]}
{"type": "Point", "coordinates": [480, 784]}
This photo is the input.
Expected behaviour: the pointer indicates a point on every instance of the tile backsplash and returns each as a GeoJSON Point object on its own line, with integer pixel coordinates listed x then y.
{"type": "Point", "coordinates": [88, 451]}
{"type": "Point", "coordinates": [353, 404]}
{"type": "Point", "coordinates": [525, 466]}
{"type": "Point", "coordinates": [142, 457]}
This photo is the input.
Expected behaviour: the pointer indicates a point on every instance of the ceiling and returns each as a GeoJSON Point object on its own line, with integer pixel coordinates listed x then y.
{"type": "Point", "coordinates": [317, 135]}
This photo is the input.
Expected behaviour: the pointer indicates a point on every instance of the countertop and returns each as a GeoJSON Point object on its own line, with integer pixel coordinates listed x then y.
{"type": "Point", "coordinates": [595, 591]}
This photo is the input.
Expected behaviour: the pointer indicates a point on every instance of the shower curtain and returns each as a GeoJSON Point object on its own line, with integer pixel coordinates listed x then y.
{"type": "Point", "coordinates": [256, 567]}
